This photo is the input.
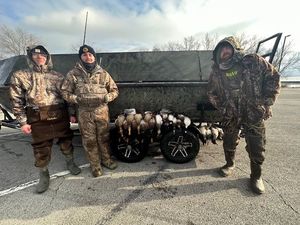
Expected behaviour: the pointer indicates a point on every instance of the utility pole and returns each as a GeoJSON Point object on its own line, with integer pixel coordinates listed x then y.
{"type": "Point", "coordinates": [282, 50]}
{"type": "Point", "coordinates": [84, 34]}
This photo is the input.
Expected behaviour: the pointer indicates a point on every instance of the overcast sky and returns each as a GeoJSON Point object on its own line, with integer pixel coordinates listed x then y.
{"type": "Point", "coordinates": [130, 25]}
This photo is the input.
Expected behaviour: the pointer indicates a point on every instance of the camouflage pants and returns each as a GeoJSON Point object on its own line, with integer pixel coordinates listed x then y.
{"type": "Point", "coordinates": [255, 136]}
{"type": "Point", "coordinates": [43, 134]}
{"type": "Point", "coordinates": [95, 137]}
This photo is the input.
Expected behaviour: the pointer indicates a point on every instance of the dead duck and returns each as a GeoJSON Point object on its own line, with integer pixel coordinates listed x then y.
{"type": "Point", "coordinates": [119, 124]}
{"type": "Point", "coordinates": [138, 118]}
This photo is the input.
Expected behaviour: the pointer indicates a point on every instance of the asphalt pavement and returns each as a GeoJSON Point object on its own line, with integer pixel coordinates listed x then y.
{"type": "Point", "coordinates": [155, 191]}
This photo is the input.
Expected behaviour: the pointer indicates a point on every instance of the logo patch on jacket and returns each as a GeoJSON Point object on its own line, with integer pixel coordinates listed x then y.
{"type": "Point", "coordinates": [231, 73]}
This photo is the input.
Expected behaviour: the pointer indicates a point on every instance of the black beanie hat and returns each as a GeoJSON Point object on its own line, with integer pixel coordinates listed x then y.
{"type": "Point", "coordinates": [86, 48]}
{"type": "Point", "coordinates": [37, 49]}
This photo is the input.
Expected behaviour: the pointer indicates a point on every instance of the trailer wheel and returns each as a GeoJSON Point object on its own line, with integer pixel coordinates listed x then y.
{"type": "Point", "coordinates": [179, 146]}
{"type": "Point", "coordinates": [133, 150]}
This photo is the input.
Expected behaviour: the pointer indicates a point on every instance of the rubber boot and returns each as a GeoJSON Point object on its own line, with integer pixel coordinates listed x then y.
{"type": "Point", "coordinates": [256, 182]}
{"type": "Point", "coordinates": [228, 168]}
{"type": "Point", "coordinates": [44, 180]}
{"type": "Point", "coordinates": [71, 166]}
{"type": "Point", "coordinates": [106, 160]}
{"type": "Point", "coordinates": [97, 172]}
{"type": "Point", "coordinates": [95, 164]}
{"type": "Point", "coordinates": [110, 164]}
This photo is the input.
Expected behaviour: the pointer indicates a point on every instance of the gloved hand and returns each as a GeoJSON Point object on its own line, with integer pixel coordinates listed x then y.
{"type": "Point", "coordinates": [268, 112]}
{"type": "Point", "coordinates": [229, 113]}
{"type": "Point", "coordinates": [228, 109]}
{"type": "Point", "coordinates": [107, 98]}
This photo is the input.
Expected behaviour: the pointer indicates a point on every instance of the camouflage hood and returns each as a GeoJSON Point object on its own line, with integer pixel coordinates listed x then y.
{"type": "Point", "coordinates": [237, 52]}
{"type": "Point", "coordinates": [45, 68]}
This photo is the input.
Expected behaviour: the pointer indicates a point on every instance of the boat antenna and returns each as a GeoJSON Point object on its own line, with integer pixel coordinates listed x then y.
{"type": "Point", "coordinates": [86, 18]}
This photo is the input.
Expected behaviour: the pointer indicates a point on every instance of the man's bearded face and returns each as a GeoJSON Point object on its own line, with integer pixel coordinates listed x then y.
{"type": "Point", "coordinates": [226, 53]}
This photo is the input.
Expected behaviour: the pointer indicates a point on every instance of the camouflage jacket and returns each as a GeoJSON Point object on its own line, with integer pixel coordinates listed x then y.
{"type": "Point", "coordinates": [79, 82]}
{"type": "Point", "coordinates": [259, 86]}
{"type": "Point", "coordinates": [34, 87]}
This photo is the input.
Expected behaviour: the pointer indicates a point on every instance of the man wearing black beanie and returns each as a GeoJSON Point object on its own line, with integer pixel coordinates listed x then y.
{"type": "Point", "coordinates": [90, 64]}
{"type": "Point", "coordinates": [92, 88]}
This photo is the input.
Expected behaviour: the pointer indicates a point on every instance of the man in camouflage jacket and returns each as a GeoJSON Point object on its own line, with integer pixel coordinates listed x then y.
{"type": "Point", "coordinates": [40, 109]}
{"type": "Point", "coordinates": [243, 88]}
{"type": "Point", "coordinates": [91, 88]}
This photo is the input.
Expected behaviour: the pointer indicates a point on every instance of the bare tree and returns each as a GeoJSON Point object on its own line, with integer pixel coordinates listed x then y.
{"type": "Point", "coordinates": [189, 43]}
{"type": "Point", "coordinates": [248, 43]}
{"type": "Point", "coordinates": [284, 56]}
{"type": "Point", "coordinates": [209, 41]}
{"type": "Point", "coordinates": [289, 60]}
{"type": "Point", "coordinates": [75, 47]}
{"type": "Point", "coordinates": [14, 41]}
{"type": "Point", "coordinates": [170, 46]}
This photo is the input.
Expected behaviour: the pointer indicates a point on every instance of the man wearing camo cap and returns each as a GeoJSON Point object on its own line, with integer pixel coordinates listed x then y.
{"type": "Point", "coordinates": [243, 88]}
{"type": "Point", "coordinates": [42, 112]}
{"type": "Point", "coordinates": [91, 88]}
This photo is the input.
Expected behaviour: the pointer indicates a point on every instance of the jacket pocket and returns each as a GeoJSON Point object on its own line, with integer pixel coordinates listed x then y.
{"type": "Point", "coordinates": [33, 115]}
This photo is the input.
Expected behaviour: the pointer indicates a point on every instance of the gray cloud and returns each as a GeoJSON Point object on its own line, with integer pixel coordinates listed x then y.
{"type": "Point", "coordinates": [121, 25]}
{"type": "Point", "coordinates": [233, 28]}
